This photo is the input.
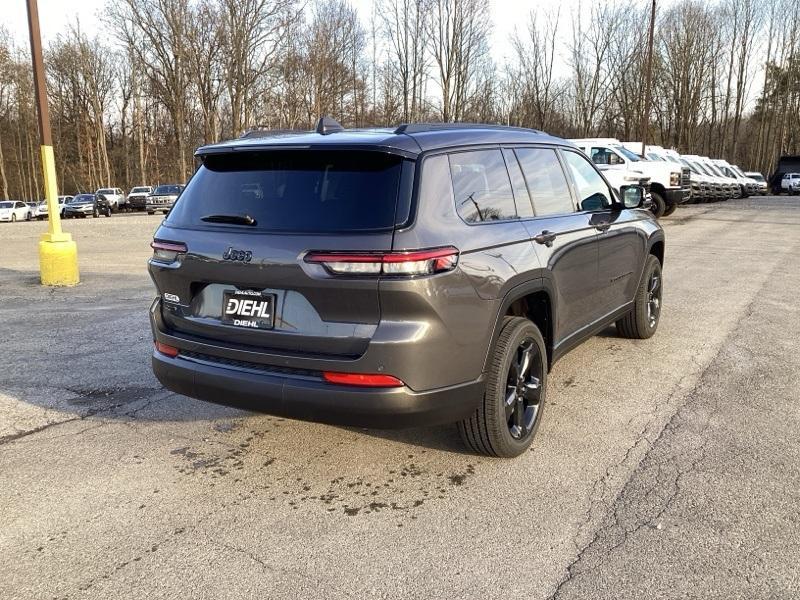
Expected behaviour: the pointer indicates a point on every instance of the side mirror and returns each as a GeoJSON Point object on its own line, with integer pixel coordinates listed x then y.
{"type": "Point", "coordinates": [614, 159]}
{"type": "Point", "coordinates": [632, 196]}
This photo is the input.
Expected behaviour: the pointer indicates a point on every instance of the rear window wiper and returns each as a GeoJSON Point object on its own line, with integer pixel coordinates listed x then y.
{"type": "Point", "coordinates": [230, 219]}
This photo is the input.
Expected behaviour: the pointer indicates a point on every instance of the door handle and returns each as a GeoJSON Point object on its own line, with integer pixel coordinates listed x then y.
{"type": "Point", "coordinates": [546, 237]}
{"type": "Point", "coordinates": [603, 226]}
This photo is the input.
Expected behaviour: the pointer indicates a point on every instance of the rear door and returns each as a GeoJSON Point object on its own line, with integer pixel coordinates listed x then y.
{"type": "Point", "coordinates": [248, 219]}
{"type": "Point", "coordinates": [564, 240]}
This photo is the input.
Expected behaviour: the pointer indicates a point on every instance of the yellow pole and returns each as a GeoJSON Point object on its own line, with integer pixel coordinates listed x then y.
{"type": "Point", "coordinates": [58, 254]}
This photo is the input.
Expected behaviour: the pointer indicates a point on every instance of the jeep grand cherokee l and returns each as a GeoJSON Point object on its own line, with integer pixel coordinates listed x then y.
{"type": "Point", "coordinates": [397, 277]}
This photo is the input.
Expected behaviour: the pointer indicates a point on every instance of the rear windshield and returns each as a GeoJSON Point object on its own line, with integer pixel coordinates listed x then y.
{"type": "Point", "coordinates": [298, 191]}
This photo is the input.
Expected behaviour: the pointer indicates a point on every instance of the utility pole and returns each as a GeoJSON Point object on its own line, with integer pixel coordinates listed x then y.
{"type": "Point", "coordinates": [648, 79]}
{"type": "Point", "coordinates": [58, 254]}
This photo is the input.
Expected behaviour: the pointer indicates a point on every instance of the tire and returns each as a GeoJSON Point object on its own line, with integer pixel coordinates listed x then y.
{"type": "Point", "coordinates": [670, 209]}
{"type": "Point", "coordinates": [13, 218]}
{"type": "Point", "coordinates": [95, 213]}
{"type": "Point", "coordinates": [642, 321]}
{"type": "Point", "coordinates": [659, 206]}
{"type": "Point", "coordinates": [497, 427]}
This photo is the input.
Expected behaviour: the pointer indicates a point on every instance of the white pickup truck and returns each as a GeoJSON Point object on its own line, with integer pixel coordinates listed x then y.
{"type": "Point", "coordinates": [790, 183]}
{"type": "Point", "coordinates": [669, 182]}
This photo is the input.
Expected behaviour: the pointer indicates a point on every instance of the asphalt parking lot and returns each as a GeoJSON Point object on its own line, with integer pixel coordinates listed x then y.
{"type": "Point", "coordinates": [666, 468]}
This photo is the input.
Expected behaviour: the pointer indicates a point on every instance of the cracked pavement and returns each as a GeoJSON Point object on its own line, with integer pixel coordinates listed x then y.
{"type": "Point", "coordinates": [667, 468]}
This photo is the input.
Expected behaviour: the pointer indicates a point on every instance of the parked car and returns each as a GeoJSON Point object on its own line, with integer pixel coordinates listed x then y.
{"type": "Point", "coordinates": [761, 182]}
{"type": "Point", "coordinates": [790, 183]}
{"type": "Point", "coordinates": [163, 197]}
{"type": "Point", "coordinates": [669, 184]}
{"type": "Point", "coordinates": [786, 164]}
{"type": "Point", "coordinates": [84, 205]}
{"type": "Point", "coordinates": [40, 210]}
{"type": "Point", "coordinates": [137, 197]}
{"type": "Point", "coordinates": [746, 185]}
{"type": "Point", "coordinates": [14, 210]}
{"type": "Point", "coordinates": [731, 183]}
{"type": "Point", "coordinates": [479, 257]}
{"type": "Point", "coordinates": [115, 196]}
{"type": "Point", "coordinates": [700, 186]}
{"type": "Point", "coordinates": [723, 188]}
{"type": "Point", "coordinates": [32, 209]}
{"type": "Point", "coordinates": [43, 210]}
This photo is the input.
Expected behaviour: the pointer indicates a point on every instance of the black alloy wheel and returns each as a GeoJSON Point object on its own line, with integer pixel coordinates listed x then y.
{"type": "Point", "coordinates": [524, 389]}
{"type": "Point", "coordinates": [505, 422]}
{"type": "Point", "coordinates": [642, 320]}
{"type": "Point", "coordinates": [654, 298]}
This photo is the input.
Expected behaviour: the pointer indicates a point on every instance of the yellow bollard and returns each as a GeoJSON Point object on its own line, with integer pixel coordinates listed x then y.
{"type": "Point", "coordinates": [58, 253]}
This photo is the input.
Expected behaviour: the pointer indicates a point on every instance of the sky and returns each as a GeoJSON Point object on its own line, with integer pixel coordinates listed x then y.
{"type": "Point", "coordinates": [54, 15]}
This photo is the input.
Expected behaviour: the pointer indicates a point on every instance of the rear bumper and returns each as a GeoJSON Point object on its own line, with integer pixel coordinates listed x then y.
{"type": "Point", "coordinates": [314, 399]}
{"type": "Point", "coordinates": [303, 394]}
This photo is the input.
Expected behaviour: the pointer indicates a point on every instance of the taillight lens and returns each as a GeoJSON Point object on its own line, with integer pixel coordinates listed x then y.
{"type": "Point", "coordinates": [362, 379]}
{"type": "Point", "coordinates": [401, 264]}
{"type": "Point", "coordinates": [167, 252]}
{"type": "Point", "coordinates": [166, 349]}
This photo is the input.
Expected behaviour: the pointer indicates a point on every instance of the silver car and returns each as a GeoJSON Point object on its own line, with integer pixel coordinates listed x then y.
{"type": "Point", "coordinates": [162, 198]}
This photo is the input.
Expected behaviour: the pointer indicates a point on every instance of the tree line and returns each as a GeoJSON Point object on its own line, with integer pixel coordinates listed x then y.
{"type": "Point", "coordinates": [130, 100]}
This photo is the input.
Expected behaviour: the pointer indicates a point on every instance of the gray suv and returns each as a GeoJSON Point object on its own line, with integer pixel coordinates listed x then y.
{"type": "Point", "coordinates": [397, 277]}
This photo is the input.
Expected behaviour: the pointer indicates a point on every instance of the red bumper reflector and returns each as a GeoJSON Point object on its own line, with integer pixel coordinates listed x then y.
{"type": "Point", "coordinates": [170, 351]}
{"type": "Point", "coordinates": [361, 379]}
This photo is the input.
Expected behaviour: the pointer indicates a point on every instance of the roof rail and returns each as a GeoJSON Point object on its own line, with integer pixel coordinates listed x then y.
{"type": "Point", "coordinates": [423, 127]}
{"type": "Point", "coordinates": [326, 126]}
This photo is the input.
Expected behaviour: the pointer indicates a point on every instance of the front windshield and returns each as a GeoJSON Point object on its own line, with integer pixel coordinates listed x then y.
{"type": "Point", "coordinates": [167, 190]}
{"type": "Point", "coordinates": [714, 169]}
{"type": "Point", "coordinates": [632, 156]}
{"type": "Point", "coordinates": [140, 189]}
{"type": "Point", "coordinates": [652, 156]}
{"type": "Point", "coordinates": [701, 168]}
{"type": "Point", "coordinates": [738, 171]}
{"type": "Point", "coordinates": [756, 176]}
{"type": "Point", "coordinates": [83, 198]}
{"type": "Point", "coordinates": [6, 205]}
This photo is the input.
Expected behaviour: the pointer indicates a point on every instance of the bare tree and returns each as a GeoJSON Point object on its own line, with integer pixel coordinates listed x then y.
{"type": "Point", "coordinates": [534, 72]}
{"type": "Point", "coordinates": [155, 31]}
{"type": "Point", "coordinates": [405, 33]}
{"type": "Point", "coordinates": [458, 33]}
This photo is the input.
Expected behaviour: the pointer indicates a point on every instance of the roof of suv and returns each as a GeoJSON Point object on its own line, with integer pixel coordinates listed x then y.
{"type": "Point", "coordinates": [408, 140]}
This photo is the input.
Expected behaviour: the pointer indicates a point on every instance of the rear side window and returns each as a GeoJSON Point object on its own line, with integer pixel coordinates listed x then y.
{"type": "Point", "coordinates": [298, 191]}
{"type": "Point", "coordinates": [547, 183]}
{"type": "Point", "coordinates": [481, 186]}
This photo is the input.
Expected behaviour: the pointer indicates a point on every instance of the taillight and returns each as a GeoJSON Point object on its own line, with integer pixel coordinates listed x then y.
{"type": "Point", "coordinates": [167, 252]}
{"type": "Point", "coordinates": [166, 349]}
{"type": "Point", "coordinates": [401, 264]}
{"type": "Point", "coordinates": [361, 379]}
